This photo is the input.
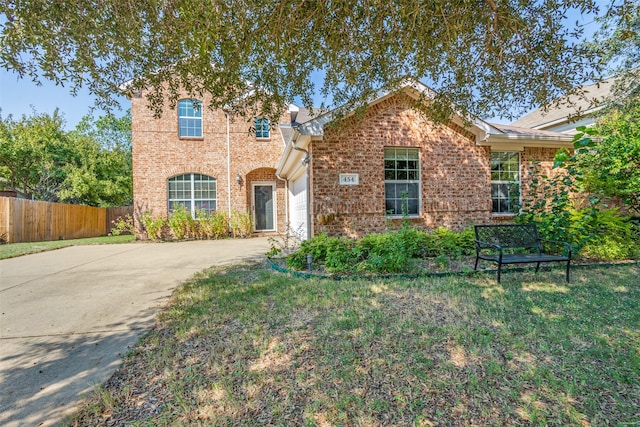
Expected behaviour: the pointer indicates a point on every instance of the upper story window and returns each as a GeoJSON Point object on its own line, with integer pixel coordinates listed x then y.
{"type": "Point", "coordinates": [261, 125]}
{"type": "Point", "coordinates": [402, 181]}
{"type": "Point", "coordinates": [190, 118]}
{"type": "Point", "coordinates": [505, 182]}
{"type": "Point", "coordinates": [194, 191]}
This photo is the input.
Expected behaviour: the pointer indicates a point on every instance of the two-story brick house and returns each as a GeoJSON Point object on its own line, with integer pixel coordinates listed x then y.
{"type": "Point", "coordinates": [207, 159]}
{"type": "Point", "coordinates": [346, 180]}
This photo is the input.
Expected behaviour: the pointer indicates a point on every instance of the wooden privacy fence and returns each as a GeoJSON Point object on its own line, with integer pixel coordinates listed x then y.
{"type": "Point", "coordinates": [35, 221]}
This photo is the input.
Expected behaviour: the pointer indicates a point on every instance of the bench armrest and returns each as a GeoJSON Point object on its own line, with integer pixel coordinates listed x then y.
{"type": "Point", "coordinates": [559, 242]}
{"type": "Point", "coordinates": [487, 245]}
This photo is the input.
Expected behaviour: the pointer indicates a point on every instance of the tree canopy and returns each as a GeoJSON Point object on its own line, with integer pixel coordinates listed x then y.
{"type": "Point", "coordinates": [611, 166]}
{"type": "Point", "coordinates": [90, 165]}
{"type": "Point", "coordinates": [488, 57]}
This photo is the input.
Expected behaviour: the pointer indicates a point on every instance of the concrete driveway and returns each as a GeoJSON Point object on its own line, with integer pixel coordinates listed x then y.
{"type": "Point", "coordinates": [68, 316]}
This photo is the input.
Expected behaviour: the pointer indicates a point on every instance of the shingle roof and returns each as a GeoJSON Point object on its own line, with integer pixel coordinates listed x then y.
{"type": "Point", "coordinates": [586, 103]}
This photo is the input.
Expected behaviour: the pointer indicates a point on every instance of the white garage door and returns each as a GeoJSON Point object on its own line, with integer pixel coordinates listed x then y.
{"type": "Point", "coordinates": [298, 207]}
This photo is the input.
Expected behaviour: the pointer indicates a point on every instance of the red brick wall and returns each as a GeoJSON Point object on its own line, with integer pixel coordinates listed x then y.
{"type": "Point", "coordinates": [455, 172]}
{"type": "Point", "coordinates": [159, 154]}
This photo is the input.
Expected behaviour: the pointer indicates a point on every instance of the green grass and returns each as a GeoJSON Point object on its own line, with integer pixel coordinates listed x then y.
{"type": "Point", "coordinates": [17, 249]}
{"type": "Point", "coordinates": [245, 346]}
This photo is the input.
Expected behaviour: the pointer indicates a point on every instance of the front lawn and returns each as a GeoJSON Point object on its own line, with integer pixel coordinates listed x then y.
{"type": "Point", "coordinates": [248, 346]}
{"type": "Point", "coordinates": [18, 249]}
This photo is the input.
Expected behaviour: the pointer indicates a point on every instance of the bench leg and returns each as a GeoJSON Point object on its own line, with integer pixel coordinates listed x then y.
{"type": "Point", "coordinates": [499, 270]}
{"type": "Point", "coordinates": [537, 267]}
{"type": "Point", "coordinates": [568, 264]}
{"type": "Point", "coordinates": [476, 266]}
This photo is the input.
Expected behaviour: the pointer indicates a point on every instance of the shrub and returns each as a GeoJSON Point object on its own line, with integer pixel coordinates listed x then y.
{"type": "Point", "coordinates": [610, 236]}
{"type": "Point", "coordinates": [154, 226]}
{"type": "Point", "coordinates": [241, 224]}
{"type": "Point", "coordinates": [181, 223]}
{"type": "Point", "coordinates": [122, 225]}
{"type": "Point", "coordinates": [316, 247]}
{"type": "Point", "coordinates": [214, 225]}
{"type": "Point", "coordinates": [391, 252]}
{"type": "Point", "coordinates": [340, 257]}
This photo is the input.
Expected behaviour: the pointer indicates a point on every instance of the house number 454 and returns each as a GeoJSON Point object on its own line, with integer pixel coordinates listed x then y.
{"type": "Point", "coordinates": [349, 179]}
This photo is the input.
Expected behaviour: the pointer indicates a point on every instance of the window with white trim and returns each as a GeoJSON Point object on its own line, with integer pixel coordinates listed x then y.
{"type": "Point", "coordinates": [402, 181]}
{"type": "Point", "coordinates": [190, 118]}
{"type": "Point", "coordinates": [194, 191]}
{"type": "Point", "coordinates": [263, 130]}
{"type": "Point", "coordinates": [505, 182]}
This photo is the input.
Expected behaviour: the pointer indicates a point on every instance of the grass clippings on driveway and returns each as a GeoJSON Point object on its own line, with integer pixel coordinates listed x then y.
{"type": "Point", "coordinates": [245, 346]}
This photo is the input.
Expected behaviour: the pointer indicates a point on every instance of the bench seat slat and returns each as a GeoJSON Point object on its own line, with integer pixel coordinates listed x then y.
{"type": "Point", "coordinates": [524, 258]}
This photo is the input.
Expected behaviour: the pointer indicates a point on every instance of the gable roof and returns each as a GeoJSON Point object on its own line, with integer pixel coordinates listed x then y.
{"type": "Point", "coordinates": [414, 88]}
{"type": "Point", "coordinates": [499, 137]}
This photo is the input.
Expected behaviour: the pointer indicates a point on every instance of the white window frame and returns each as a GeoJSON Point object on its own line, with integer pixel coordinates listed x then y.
{"type": "Point", "coordinates": [498, 178]}
{"type": "Point", "coordinates": [414, 180]}
{"type": "Point", "coordinates": [259, 123]}
{"type": "Point", "coordinates": [196, 118]}
{"type": "Point", "coordinates": [191, 202]}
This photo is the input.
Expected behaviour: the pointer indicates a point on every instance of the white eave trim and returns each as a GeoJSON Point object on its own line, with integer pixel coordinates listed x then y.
{"type": "Point", "coordinates": [505, 142]}
{"type": "Point", "coordinates": [290, 165]}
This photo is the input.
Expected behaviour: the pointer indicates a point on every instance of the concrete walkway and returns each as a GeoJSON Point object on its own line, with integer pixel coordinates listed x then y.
{"type": "Point", "coordinates": [68, 316]}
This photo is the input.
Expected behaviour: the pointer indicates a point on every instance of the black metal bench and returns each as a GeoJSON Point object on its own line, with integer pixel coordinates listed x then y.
{"type": "Point", "coordinates": [515, 244]}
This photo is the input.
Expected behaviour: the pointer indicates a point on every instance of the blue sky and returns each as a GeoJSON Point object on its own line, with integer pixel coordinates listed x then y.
{"type": "Point", "coordinates": [18, 96]}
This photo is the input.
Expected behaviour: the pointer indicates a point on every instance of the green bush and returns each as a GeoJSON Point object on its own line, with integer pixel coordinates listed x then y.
{"type": "Point", "coordinates": [214, 225]}
{"type": "Point", "coordinates": [610, 235]}
{"type": "Point", "coordinates": [391, 252]}
{"type": "Point", "coordinates": [182, 224]}
{"type": "Point", "coordinates": [340, 256]}
{"type": "Point", "coordinates": [241, 224]}
{"type": "Point", "coordinates": [154, 226]}
{"type": "Point", "coordinates": [317, 247]}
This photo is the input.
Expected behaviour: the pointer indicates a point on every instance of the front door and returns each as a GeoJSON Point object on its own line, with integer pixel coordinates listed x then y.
{"type": "Point", "coordinates": [264, 206]}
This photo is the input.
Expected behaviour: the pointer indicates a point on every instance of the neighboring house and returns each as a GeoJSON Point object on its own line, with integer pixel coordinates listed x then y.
{"type": "Point", "coordinates": [570, 112]}
{"type": "Point", "coordinates": [352, 179]}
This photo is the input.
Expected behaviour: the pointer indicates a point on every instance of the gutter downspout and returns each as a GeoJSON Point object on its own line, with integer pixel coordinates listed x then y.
{"type": "Point", "coordinates": [226, 114]}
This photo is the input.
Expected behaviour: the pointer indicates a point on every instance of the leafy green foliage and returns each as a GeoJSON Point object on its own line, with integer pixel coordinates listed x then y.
{"type": "Point", "coordinates": [155, 227]}
{"type": "Point", "coordinates": [611, 166]}
{"type": "Point", "coordinates": [36, 155]}
{"type": "Point", "coordinates": [318, 247]}
{"type": "Point", "coordinates": [611, 236]}
{"type": "Point", "coordinates": [391, 252]}
{"type": "Point", "coordinates": [123, 225]}
{"type": "Point", "coordinates": [181, 223]}
{"type": "Point", "coordinates": [241, 224]}
{"type": "Point", "coordinates": [563, 212]}
{"type": "Point", "coordinates": [213, 225]}
{"type": "Point", "coordinates": [574, 204]}
{"type": "Point", "coordinates": [549, 204]}
{"type": "Point", "coordinates": [105, 175]}
{"type": "Point", "coordinates": [40, 159]}
{"type": "Point", "coordinates": [462, 47]}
